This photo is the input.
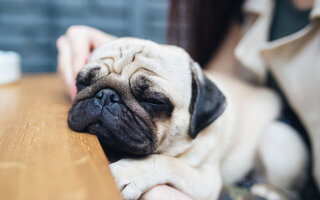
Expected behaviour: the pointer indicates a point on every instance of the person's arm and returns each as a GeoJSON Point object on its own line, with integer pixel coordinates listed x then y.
{"type": "Point", "coordinates": [74, 48]}
{"type": "Point", "coordinates": [224, 60]}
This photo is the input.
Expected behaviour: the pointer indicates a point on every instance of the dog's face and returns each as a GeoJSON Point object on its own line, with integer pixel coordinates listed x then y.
{"type": "Point", "coordinates": [138, 96]}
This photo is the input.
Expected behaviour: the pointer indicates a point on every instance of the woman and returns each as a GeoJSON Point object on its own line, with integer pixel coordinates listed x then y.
{"type": "Point", "coordinates": [262, 41]}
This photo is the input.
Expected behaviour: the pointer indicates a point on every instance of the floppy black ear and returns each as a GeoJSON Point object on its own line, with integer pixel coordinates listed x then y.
{"type": "Point", "coordinates": [207, 101]}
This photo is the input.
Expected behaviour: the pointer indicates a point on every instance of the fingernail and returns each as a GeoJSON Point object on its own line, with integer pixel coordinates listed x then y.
{"type": "Point", "coordinates": [74, 92]}
{"type": "Point", "coordinates": [88, 57]}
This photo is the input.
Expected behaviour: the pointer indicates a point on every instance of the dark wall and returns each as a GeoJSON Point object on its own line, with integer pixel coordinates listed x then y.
{"type": "Point", "coordinates": [31, 27]}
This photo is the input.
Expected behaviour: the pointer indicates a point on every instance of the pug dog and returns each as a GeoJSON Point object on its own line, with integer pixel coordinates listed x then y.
{"type": "Point", "coordinates": [174, 124]}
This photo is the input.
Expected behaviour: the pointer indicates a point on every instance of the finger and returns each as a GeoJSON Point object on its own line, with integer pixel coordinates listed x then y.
{"type": "Point", "coordinates": [99, 37]}
{"type": "Point", "coordinates": [164, 192]}
{"type": "Point", "coordinates": [65, 65]}
{"type": "Point", "coordinates": [80, 48]}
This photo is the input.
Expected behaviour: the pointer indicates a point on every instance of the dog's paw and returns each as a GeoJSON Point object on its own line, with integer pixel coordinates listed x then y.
{"type": "Point", "coordinates": [268, 192]}
{"type": "Point", "coordinates": [131, 178]}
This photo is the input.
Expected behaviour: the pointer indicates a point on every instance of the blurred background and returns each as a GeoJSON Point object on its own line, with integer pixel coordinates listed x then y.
{"type": "Point", "coordinates": [31, 27]}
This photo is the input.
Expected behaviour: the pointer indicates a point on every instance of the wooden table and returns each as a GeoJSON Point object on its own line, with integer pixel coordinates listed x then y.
{"type": "Point", "coordinates": [40, 157]}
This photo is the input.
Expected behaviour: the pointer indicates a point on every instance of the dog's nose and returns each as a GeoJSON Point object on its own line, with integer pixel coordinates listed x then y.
{"type": "Point", "coordinates": [106, 97]}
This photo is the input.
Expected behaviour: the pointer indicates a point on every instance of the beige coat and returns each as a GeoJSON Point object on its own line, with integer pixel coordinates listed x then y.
{"type": "Point", "coordinates": [293, 60]}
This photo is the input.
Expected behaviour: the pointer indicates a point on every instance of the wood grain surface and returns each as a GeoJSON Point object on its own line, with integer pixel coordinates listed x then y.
{"type": "Point", "coordinates": [40, 157]}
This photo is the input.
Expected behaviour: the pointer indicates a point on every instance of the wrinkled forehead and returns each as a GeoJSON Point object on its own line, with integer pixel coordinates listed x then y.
{"type": "Point", "coordinates": [126, 56]}
{"type": "Point", "coordinates": [128, 61]}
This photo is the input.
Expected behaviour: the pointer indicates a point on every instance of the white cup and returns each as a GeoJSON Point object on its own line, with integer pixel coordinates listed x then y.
{"type": "Point", "coordinates": [10, 69]}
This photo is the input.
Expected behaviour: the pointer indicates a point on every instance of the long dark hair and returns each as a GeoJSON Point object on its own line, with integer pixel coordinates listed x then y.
{"type": "Point", "coordinates": [199, 26]}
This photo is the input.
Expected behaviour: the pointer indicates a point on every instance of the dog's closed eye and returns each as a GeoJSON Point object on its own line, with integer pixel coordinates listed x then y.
{"type": "Point", "coordinates": [154, 101]}
{"type": "Point", "coordinates": [156, 105]}
{"type": "Point", "coordinates": [150, 98]}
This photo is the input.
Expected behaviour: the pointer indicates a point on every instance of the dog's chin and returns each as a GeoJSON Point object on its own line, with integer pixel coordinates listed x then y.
{"type": "Point", "coordinates": [117, 144]}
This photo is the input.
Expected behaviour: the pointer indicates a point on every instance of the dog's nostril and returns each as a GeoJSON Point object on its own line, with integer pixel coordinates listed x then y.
{"type": "Point", "coordinates": [115, 98]}
{"type": "Point", "coordinates": [99, 95]}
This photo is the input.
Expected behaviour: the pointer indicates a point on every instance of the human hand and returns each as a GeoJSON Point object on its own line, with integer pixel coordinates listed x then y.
{"type": "Point", "coordinates": [74, 48]}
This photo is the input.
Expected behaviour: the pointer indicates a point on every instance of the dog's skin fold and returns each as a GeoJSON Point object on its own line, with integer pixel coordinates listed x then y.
{"type": "Point", "coordinates": [192, 130]}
